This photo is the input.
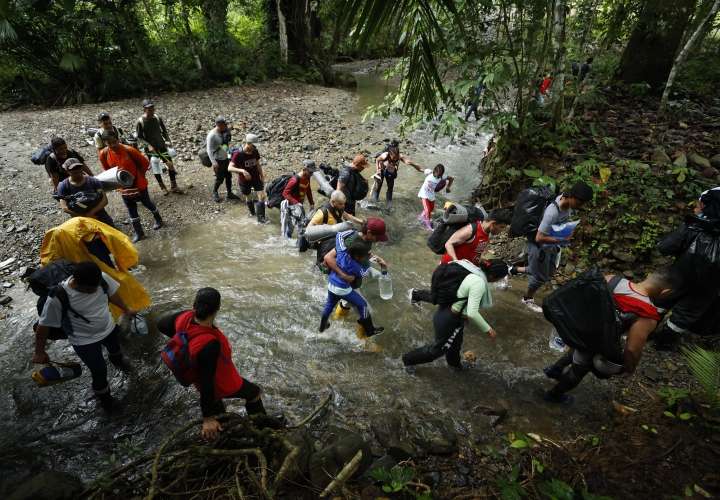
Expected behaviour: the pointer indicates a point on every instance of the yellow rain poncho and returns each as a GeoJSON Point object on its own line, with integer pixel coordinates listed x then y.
{"type": "Point", "coordinates": [81, 239]}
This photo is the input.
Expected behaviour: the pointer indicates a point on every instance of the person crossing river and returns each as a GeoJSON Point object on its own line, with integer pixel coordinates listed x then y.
{"type": "Point", "coordinates": [387, 165]}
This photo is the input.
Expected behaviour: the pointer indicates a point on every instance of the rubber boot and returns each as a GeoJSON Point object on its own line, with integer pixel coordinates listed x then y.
{"type": "Point", "coordinates": [232, 196]}
{"type": "Point", "coordinates": [138, 230]}
{"type": "Point", "coordinates": [158, 220]}
{"type": "Point", "coordinates": [367, 327]}
{"type": "Point", "coordinates": [340, 311]}
{"type": "Point", "coordinates": [324, 324]}
{"type": "Point", "coordinates": [260, 210]}
{"type": "Point", "coordinates": [251, 207]}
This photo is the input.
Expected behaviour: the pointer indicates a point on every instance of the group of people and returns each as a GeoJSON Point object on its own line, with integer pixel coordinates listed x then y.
{"type": "Point", "coordinates": [200, 354]}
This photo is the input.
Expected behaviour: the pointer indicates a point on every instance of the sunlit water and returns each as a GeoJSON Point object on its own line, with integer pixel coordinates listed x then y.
{"type": "Point", "coordinates": [272, 299]}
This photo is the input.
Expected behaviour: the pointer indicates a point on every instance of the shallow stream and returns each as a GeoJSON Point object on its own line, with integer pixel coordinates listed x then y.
{"type": "Point", "coordinates": [272, 298]}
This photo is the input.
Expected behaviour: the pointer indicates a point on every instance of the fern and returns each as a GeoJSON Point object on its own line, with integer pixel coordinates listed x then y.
{"type": "Point", "coordinates": [705, 367]}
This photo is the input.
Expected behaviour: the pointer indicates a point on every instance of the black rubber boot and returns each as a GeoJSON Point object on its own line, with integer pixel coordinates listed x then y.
{"type": "Point", "coordinates": [232, 196]}
{"type": "Point", "coordinates": [158, 220]}
{"type": "Point", "coordinates": [251, 207]}
{"type": "Point", "coordinates": [324, 323]}
{"type": "Point", "coordinates": [138, 230]}
{"type": "Point", "coordinates": [369, 328]}
{"type": "Point", "coordinates": [260, 210]}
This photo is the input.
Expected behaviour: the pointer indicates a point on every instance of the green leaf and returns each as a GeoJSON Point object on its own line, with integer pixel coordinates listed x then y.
{"type": "Point", "coordinates": [685, 416]}
{"type": "Point", "coordinates": [533, 173]}
{"type": "Point", "coordinates": [519, 444]}
{"type": "Point", "coordinates": [71, 62]}
{"type": "Point", "coordinates": [705, 367]}
{"type": "Point", "coordinates": [669, 414]}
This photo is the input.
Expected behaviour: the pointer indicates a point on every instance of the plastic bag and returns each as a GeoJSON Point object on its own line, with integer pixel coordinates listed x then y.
{"type": "Point", "coordinates": [138, 325]}
{"type": "Point", "coordinates": [563, 231]}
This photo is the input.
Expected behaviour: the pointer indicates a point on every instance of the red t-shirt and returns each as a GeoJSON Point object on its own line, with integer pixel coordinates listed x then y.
{"type": "Point", "coordinates": [297, 189]}
{"type": "Point", "coordinates": [470, 249]}
{"type": "Point", "coordinates": [129, 159]}
{"type": "Point", "coordinates": [545, 85]}
{"type": "Point", "coordinates": [631, 301]}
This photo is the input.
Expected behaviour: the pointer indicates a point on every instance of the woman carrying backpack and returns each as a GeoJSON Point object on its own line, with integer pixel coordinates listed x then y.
{"type": "Point", "coordinates": [387, 164]}
{"type": "Point", "coordinates": [211, 368]}
{"type": "Point", "coordinates": [460, 289]}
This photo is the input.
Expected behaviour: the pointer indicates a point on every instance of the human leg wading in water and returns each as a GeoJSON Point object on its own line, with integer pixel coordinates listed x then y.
{"type": "Point", "coordinates": [449, 328]}
{"type": "Point", "coordinates": [366, 328]}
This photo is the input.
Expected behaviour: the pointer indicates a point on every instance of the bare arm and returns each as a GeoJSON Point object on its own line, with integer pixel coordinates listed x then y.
{"type": "Point", "coordinates": [116, 300]}
{"type": "Point", "coordinates": [351, 218]}
{"type": "Point", "coordinates": [637, 337]}
{"type": "Point", "coordinates": [450, 181]}
{"type": "Point", "coordinates": [331, 261]}
{"type": "Point", "coordinates": [458, 238]}
{"type": "Point", "coordinates": [414, 165]}
{"type": "Point", "coordinates": [542, 238]}
{"type": "Point", "coordinates": [64, 207]}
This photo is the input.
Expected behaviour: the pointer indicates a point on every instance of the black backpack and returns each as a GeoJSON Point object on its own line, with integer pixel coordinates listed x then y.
{"type": "Point", "coordinates": [41, 154]}
{"type": "Point", "coordinates": [442, 233]}
{"type": "Point", "coordinates": [357, 188]}
{"type": "Point", "coordinates": [83, 201]}
{"type": "Point", "coordinates": [584, 313]}
{"type": "Point", "coordinates": [446, 279]}
{"type": "Point", "coordinates": [529, 209]}
{"type": "Point", "coordinates": [46, 283]}
{"type": "Point", "coordinates": [275, 190]}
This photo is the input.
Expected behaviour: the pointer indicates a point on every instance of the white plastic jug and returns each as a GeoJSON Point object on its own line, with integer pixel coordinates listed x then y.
{"type": "Point", "coordinates": [385, 286]}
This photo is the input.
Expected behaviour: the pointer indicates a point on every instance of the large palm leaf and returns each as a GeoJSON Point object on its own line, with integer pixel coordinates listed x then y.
{"type": "Point", "coordinates": [705, 367]}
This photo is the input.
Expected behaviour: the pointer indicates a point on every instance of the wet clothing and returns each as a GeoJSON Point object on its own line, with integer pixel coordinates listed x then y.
{"type": "Point", "coordinates": [291, 216]}
{"type": "Point", "coordinates": [91, 185]}
{"type": "Point", "coordinates": [129, 159]}
{"type": "Point", "coordinates": [472, 248]}
{"type": "Point", "coordinates": [542, 259]}
{"type": "Point", "coordinates": [427, 190]}
{"type": "Point", "coordinates": [91, 306]}
{"type": "Point", "coordinates": [216, 377]}
{"type": "Point", "coordinates": [53, 166]}
{"type": "Point", "coordinates": [297, 189]}
{"type": "Point", "coordinates": [153, 132]}
{"type": "Point", "coordinates": [354, 297]}
{"type": "Point", "coordinates": [388, 173]}
{"type": "Point", "coordinates": [630, 301]}
{"type": "Point", "coordinates": [92, 356]}
{"type": "Point", "coordinates": [250, 163]}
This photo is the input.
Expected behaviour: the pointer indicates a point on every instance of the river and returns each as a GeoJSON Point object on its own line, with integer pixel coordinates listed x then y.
{"type": "Point", "coordinates": [272, 298]}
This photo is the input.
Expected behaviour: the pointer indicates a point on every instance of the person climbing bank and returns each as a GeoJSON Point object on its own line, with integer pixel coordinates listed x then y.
{"type": "Point", "coordinates": [215, 375]}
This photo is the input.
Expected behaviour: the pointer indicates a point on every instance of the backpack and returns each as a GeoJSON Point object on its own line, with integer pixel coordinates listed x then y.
{"type": "Point", "coordinates": [176, 355]}
{"type": "Point", "coordinates": [446, 280]}
{"type": "Point", "coordinates": [357, 188]}
{"type": "Point", "coordinates": [46, 283]}
{"type": "Point", "coordinates": [442, 233]}
{"type": "Point", "coordinates": [529, 209]}
{"type": "Point", "coordinates": [275, 190]}
{"type": "Point", "coordinates": [83, 201]}
{"type": "Point", "coordinates": [584, 313]}
{"type": "Point", "coordinates": [41, 154]}
{"type": "Point", "coordinates": [204, 158]}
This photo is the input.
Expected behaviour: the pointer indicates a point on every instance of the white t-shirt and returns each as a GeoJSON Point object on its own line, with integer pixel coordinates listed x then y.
{"type": "Point", "coordinates": [93, 306]}
{"type": "Point", "coordinates": [427, 190]}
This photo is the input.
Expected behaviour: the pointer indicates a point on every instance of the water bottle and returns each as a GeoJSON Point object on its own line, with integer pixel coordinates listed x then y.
{"type": "Point", "coordinates": [53, 374]}
{"type": "Point", "coordinates": [385, 285]}
{"type": "Point", "coordinates": [555, 342]}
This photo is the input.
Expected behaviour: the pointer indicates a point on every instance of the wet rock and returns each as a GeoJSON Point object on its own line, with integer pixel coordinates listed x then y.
{"type": "Point", "coordinates": [698, 161]}
{"type": "Point", "coordinates": [715, 161]}
{"type": "Point", "coordinates": [7, 263]}
{"type": "Point", "coordinates": [5, 300]}
{"type": "Point", "coordinates": [660, 157]}
{"type": "Point", "coordinates": [22, 229]}
{"type": "Point", "coordinates": [387, 429]}
{"type": "Point", "coordinates": [681, 160]}
{"type": "Point", "coordinates": [325, 464]}
{"type": "Point", "coordinates": [623, 256]}
{"type": "Point", "coordinates": [652, 373]}
{"type": "Point", "coordinates": [682, 125]}
{"type": "Point", "coordinates": [49, 485]}
{"type": "Point", "coordinates": [709, 173]}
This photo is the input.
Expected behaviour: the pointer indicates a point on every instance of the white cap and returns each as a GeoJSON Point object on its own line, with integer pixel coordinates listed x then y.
{"type": "Point", "coordinates": [251, 138]}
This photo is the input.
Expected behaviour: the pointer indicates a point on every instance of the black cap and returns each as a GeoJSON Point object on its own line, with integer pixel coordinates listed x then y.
{"type": "Point", "coordinates": [581, 191]}
{"type": "Point", "coordinates": [220, 119]}
{"type": "Point", "coordinates": [103, 116]}
{"type": "Point", "coordinates": [147, 103]}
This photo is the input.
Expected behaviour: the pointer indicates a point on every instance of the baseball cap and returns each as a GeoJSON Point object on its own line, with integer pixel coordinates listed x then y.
{"type": "Point", "coordinates": [251, 138]}
{"type": "Point", "coordinates": [310, 165]}
{"type": "Point", "coordinates": [72, 164]}
{"type": "Point", "coordinates": [147, 103]}
{"type": "Point", "coordinates": [581, 191]}
{"type": "Point", "coordinates": [103, 116]}
{"type": "Point", "coordinates": [376, 226]}
{"type": "Point", "coordinates": [220, 119]}
{"type": "Point", "coordinates": [360, 160]}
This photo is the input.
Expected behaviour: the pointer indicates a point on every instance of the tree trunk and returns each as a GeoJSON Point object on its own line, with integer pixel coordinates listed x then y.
{"type": "Point", "coordinates": [649, 54]}
{"type": "Point", "coordinates": [558, 86]}
{"type": "Point", "coordinates": [282, 32]}
{"type": "Point", "coordinates": [682, 56]}
{"type": "Point", "coordinates": [217, 44]}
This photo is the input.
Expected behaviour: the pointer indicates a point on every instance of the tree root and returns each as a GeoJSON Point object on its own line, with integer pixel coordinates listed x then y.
{"type": "Point", "coordinates": [346, 473]}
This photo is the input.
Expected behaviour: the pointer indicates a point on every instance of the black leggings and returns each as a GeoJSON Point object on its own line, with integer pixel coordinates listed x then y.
{"type": "Point", "coordinates": [390, 178]}
{"type": "Point", "coordinates": [448, 340]}
{"type": "Point", "coordinates": [222, 175]}
{"type": "Point", "coordinates": [92, 356]}
{"type": "Point", "coordinates": [573, 369]}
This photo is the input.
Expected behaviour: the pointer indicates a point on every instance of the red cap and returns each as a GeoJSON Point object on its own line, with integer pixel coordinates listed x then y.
{"type": "Point", "coordinates": [376, 226]}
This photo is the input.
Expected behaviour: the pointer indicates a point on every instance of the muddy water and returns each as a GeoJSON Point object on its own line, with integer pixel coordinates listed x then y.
{"type": "Point", "coordinates": [272, 298]}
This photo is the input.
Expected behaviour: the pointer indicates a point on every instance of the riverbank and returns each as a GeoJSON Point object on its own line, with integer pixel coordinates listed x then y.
{"type": "Point", "coordinates": [460, 431]}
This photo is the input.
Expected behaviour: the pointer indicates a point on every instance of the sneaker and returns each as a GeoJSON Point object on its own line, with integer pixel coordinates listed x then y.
{"type": "Point", "coordinates": [556, 344]}
{"type": "Point", "coordinates": [552, 372]}
{"type": "Point", "coordinates": [558, 399]}
{"type": "Point", "coordinates": [530, 304]}
{"type": "Point", "coordinates": [513, 271]}
{"type": "Point", "coordinates": [216, 197]}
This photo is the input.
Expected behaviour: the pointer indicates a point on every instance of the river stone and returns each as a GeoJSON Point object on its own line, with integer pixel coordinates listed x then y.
{"type": "Point", "coordinates": [715, 161]}
{"type": "Point", "coordinates": [681, 161]}
{"type": "Point", "coordinates": [698, 161]}
{"type": "Point", "coordinates": [326, 463]}
{"type": "Point", "coordinates": [387, 429]}
{"type": "Point", "coordinates": [709, 173]}
{"type": "Point", "coordinates": [660, 157]}
{"type": "Point", "coordinates": [49, 485]}
{"type": "Point", "coordinates": [623, 256]}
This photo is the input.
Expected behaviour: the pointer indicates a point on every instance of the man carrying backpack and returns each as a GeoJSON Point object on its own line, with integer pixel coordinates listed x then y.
{"type": "Point", "coordinates": [296, 190]}
{"type": "Point", "coordinates": [93, 194]}
{"type": "Point", "coordinates": [352, 183]}
{"type": "Point", "coordinates": [543, 250]}
{"type": "Point", "coordinates": [131, 160]}
{"type": "Point", "coordinates": [151, 130]}
{"type": "Point", "coordinates": [55, 160]}
{"type": "Point", "coordinates": [217, 152]}
{"type": "Point", "coordinates": [460, 289]}
{"type": "Point", "coordinates": [470, 241]}
{"type": "Point", "coordinates": [635, 302]}
{"type": "Point", "coordinates": [79, 306]}
{"type": "Point", "coordinates": [333, 212]}
{"type": "Point", "coordinates": [105, 123]}
{"type": "Point", "coordinates": [199, 353]}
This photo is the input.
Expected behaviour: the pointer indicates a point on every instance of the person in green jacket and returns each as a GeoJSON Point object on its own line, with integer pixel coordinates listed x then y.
{"type": "Point", "coordinates": [449, 321]}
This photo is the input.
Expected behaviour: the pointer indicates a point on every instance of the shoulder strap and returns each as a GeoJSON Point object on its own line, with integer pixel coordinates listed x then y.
{"type": "Point", "coordinates": [138, 167]}
{"type": "Point", "coordinates": [326, 214]}
{"type": "Point", "coordinates": [60, 293]}
{"type": "Point", "coordinates": [614, 282]}
{"type": "Point", "coordinates": [474, 232]}
{"type": "Point", "coordinates": [105, 286]}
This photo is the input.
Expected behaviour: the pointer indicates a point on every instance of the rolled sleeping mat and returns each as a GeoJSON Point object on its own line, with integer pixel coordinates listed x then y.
{"type": "Point", "coordinates": [115, 178]}
{"type": "Point", "coordinates": [325, 187]}
{"type": "Point", "coordinates": [455, 214]}
{"type": "Point", "coordinates": [319, 232]}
